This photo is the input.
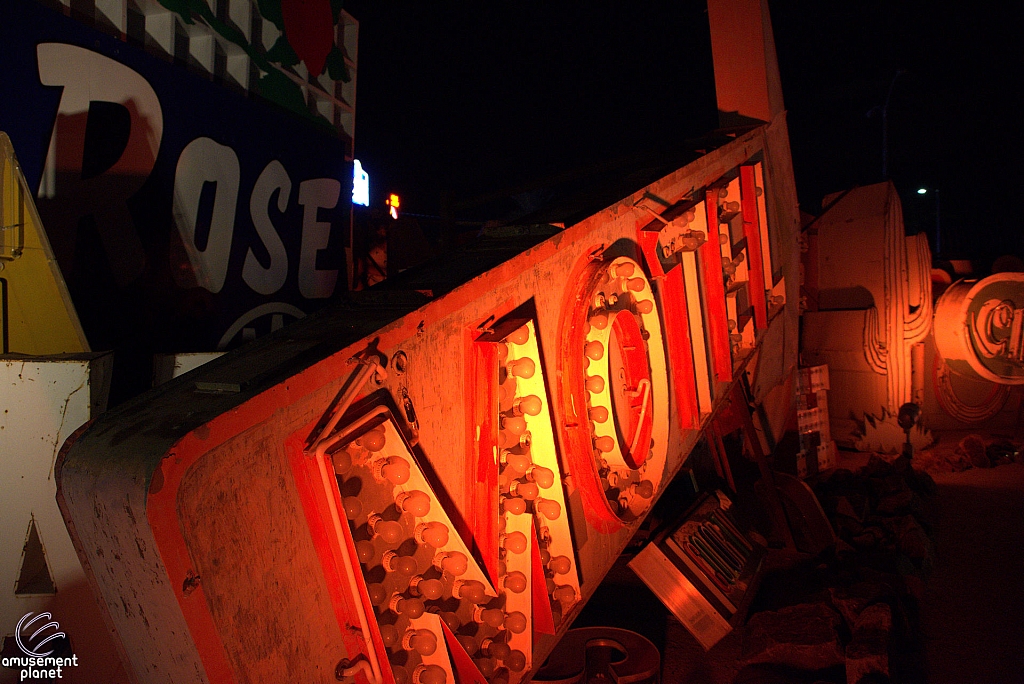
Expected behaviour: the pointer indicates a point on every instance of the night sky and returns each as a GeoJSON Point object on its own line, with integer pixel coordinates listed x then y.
{"type": "Point", "coordinates": [463, 101]}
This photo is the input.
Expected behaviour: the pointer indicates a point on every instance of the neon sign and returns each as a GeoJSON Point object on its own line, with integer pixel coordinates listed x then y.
{"type": "Point", "coordinates": [360, 184]}
{"type": "Point", "coordinates": [447, 503]}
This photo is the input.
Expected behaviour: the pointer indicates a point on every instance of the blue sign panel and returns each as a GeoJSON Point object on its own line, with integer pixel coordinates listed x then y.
{"type": "Point", "coordinates": [184, 216]}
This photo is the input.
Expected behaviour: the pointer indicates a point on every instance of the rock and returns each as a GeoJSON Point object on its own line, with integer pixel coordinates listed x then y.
{"type": "Point", "coordinates": [875, 618]}
{"type": "Point", "coordinates": [877, 467]}
{"type": "Point", "coordinates": [843, 549]}
{"type": "Point", "coordinates": [848, 527]}
{"type": "Point", "coordinates": [911, 539]}
{"type": "Point", "coordinates": [867, 654]}
{"type": "Point", "coordinates": [851, 601]}
{"type": "Point", "coordinates": [973, 447]}
{"type": "Point", "coordinates": [804, 636]}
{"type": "Point", "coordinates": [845, 508]}
{"type": "Point", "coordinates": [865, 540]}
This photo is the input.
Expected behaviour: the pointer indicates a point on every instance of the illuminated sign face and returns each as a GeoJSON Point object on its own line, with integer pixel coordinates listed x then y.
{"type": "Point", "coordinates": [360, 185]}
{"type": "Point", "coordinates": [393, 202]}
{"type": "Point", "coordinates": [440, 496]}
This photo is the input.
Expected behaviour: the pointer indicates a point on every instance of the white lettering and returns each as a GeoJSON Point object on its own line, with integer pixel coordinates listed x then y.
{"type": "Point", "coordinates": [269, 280]}
{"type": "Point", "coordinates": [315, 194]}
{"type": "Point", "coordinates": [205, 161]}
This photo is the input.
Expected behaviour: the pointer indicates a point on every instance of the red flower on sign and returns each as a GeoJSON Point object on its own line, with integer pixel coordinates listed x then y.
{"type": "Point", "coordinates": [309, 28]}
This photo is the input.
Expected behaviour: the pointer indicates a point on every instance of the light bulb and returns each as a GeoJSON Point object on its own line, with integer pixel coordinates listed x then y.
{"type": "Point", "coordinates": [390, 531]}
{"type": "Point", "coordinates": [548, 508]}
{"type": "Point", "coordinates": [429, 674]}
{"type": "Point", "coordinates": [378, 594]}
{"type": "Point", "coordinates": [544, 477]}
{"type": "Point", "coordinates": [599, 320]}
{"type": "Point", "coordinates": [393, 469]}
{"type": "Point", "coordinates": [560, 565]}
{"type": "Point", "coordinates": [527, 490]}
{"type": "Point", "coordinates": [389, 635]}
{"type": "Point", "coordinates": [495, 649]}
{"type": "Point", "coordinates": [594, 384]}
{"type": "Point", "coordinates": [545, 556]}
{"type": "Point", "coordinates": [598, 414]}
{"type": "Point", "coordinates": [411, 608]}
{"type": "Point", "coordinates": [564, 594]}
{"type": "Point", "coordinates": [519, 336]}
{"type": "Point", "coordinates": [432, 533]}
{"type": "Point", "coordinates": [513, 505]}
{"type": "Point", "coordinates": [353, 507]}
{"type": "Point", "coordinates": [514, 424]}
{"type": "Point", "coordinates": [430, 589]}
{"type": "Point", "coordinates": [604, 444]}
{"type": "Point", "coordinates": [486, 666]}
{"type": "Point", "coordinates": [452, 620]}
{"type": "Point", "coordinates": [506, 440]}
{"type": "Point", "coordinates": [471, 590]}
{"type": "Point", "coordinates": [364, 551]}
{"type": "Point", "coordinates": [645, 306]}
{"type": "Point", "coordinates": [516, 661]}
{"type": "Point", "coordinates": [519, 463]}
{"type": "Point", "coordinates": [502, 349]}
{"type": "Point", "coordinates": [342, 461]}
{"type": "Point", "coordinates": [522, 368]}
{"type": "Point", "coordinates": [594, 350]}
{"type": "Point", "coordinates": [514, 542]}
{"type": "Point", "coordinates": [401, 674]}
{"type": "Point", "coordinates": [529, 405]}
{"type": "Point", "coordinates": [403, 565]}
{"type": "Point", "coordinates": [516, 622]}
{"type": "Point", "coordinates": [374, 439]}
{"type": "Point", "coordinates": [468, 643]}
{"type": "Point", "coordinates": [624, 270]}
{"type": "Point", "coordinates": [492, 617]}
{"type": "Point", "coordinates": [416, 503]}
{"type": "Point", "coordinates": [645, 489]}
{"type": "Point", "coordinates": [515, 582]}
{"type": "Point", "coordinates": [454, 563]}
{"type": "Point", "coordinates": [636, 284]}
{"type": "Point", "coordinates": [423, 641]}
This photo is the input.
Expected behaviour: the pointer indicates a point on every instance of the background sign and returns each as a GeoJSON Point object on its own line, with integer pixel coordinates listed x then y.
{"type": "Point", "coordinates": [184, 216]}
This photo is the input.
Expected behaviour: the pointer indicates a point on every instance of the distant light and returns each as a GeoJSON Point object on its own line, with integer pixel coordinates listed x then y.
{"type": "Point", "coordinates": [922, 191]}
{"type": "Point", "coordinates": [360, 185]}
{"type": "Point", "coordinates": [393, 202]}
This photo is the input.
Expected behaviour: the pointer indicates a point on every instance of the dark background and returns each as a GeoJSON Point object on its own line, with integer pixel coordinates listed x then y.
{"type": "Point", "coordinates": [458, 101]}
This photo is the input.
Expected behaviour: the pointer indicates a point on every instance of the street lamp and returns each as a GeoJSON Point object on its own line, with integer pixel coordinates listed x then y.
{"type": "Point", "coordinates": [938, 217]}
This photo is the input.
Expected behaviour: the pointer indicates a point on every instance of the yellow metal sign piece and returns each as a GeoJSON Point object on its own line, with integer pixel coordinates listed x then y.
{"type": "Point", "coordinates": [36, 313]}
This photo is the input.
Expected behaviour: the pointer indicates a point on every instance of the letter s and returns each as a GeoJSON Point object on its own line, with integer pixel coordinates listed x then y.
{"type": "Point", "coordinates": [269, 280]}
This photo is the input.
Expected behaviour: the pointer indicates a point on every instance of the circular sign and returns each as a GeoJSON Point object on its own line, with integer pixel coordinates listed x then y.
{"type": "Point", "coordinates": [614, 391]}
